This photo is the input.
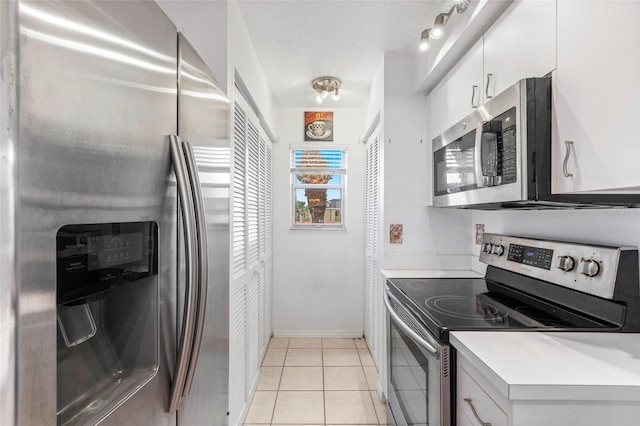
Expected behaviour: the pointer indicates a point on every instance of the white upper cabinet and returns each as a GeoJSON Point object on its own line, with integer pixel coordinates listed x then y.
{"type": "Point", "coordinates": [597, 96]}
{"type": "Point", "coordinates": [521, 44]}
{"type": "Point", "coordinates": [457, 94]}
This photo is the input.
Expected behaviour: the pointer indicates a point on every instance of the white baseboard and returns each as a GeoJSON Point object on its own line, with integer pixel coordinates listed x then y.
{"type": "Point", "coordinates": [327, 334]}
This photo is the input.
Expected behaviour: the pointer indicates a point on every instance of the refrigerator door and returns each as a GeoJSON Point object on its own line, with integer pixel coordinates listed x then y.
{"type": "Point", "coordinates": [97, 97]}
{"type": "Point", "coordinates": [203, 124]}
{"type": "Point", "coordinates": [8, 231]}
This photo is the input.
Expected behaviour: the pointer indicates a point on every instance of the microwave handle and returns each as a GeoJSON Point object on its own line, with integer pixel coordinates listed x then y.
{"type": "Point", "coordinates": [478, 156]}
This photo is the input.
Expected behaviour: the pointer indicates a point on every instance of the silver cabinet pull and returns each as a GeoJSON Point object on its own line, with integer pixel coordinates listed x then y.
{"type": "Point", "coordinates": [475, 413]}
{"type": "Point", "coordinates": [486, 90]}
{"type": "Point", "coordinates": [203, 264]}
{"type": "Point", "coordinates": [474, 89]}
{"type": "Point", "coordinates": [191, 266]}
{"type": "Point", "coordinates": [567, 154]}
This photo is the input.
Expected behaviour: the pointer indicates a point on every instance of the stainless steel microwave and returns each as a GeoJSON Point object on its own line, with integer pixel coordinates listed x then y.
{"type": "Point", "coordinates": [490, 156]}
{"type": "Point", "coordinates": [499, 156]}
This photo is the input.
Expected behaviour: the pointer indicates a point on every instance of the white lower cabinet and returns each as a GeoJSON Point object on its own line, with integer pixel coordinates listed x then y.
{"type": "Point", "coordinates": [480, 403]}
{"type": "Point", "coordinates": [477, 402]}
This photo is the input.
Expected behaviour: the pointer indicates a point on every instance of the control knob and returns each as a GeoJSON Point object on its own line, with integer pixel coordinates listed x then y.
{"type": "Point", "coordinates": [486, 247]}
{"type": "Point", "coordinates": [566, 263]}
{"type": "Point", "coordinates": [589, 267]}
{"type": "Point", "coordinates": [497, 249]}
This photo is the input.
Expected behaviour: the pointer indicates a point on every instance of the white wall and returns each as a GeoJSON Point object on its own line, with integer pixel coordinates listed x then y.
{"type": "Point", "coordinates": [608, 227]}
{"type": "Point", "coordinates": [375, 101]}
{"type": "Point", "coordinates": [242, 57]}
{"type": "Point", "coordinates": [204, 24]}
{"type": "Point", "coordinates": [433, 238]}
{"type": "Point", "coordinates": [318, 275]}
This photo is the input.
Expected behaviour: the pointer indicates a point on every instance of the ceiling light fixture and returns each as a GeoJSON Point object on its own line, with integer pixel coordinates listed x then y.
{"type": "Point", "coordinates": [440, 22]}
{"type": "Point", "coordinates": [438, 25]}
{"type": "Point", "coordinates": [461, 5]}
{"type": "Point", "coordinates": [424, 39]}
{"type": "Point", "coordinates": [325, 85]}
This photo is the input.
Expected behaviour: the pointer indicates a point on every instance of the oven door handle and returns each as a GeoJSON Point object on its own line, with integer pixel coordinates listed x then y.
{"type": "Point", "coordinates": [412, 334]}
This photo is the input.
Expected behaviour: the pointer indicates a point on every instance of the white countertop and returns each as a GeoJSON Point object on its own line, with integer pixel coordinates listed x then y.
{"type": "Point", "coordinates": [429, 273]}
{"type": "Point", "coordinates": [556, 366]}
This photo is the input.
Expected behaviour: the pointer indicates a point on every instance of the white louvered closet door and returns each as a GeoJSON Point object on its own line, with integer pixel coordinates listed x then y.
{"type": "Point", "coordinates": [251, 261]}
{"type": "Point", "coordinates": [253, 256]}
{"type": "Point", "coordinates": [238, 323]}
{"type": "Point", "coordinates": [237, 358]}
{"type": "Point", "coordinates": [266, 236]}
{"type": "Point", "coordinates": [372, 230]}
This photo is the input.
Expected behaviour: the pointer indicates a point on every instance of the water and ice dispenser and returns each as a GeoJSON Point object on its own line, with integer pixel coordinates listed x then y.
{"type": "Point", "coordinates": [107, 315]}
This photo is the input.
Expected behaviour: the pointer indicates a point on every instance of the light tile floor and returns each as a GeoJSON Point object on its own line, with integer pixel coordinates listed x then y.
{"type": "Point", "coordinates": [314, 382]}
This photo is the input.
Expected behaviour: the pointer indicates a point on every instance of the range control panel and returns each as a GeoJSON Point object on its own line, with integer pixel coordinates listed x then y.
{"type": "Point", "coordinates": [588, 268]}
{"type": "Point", "coordinates": [532, 256]}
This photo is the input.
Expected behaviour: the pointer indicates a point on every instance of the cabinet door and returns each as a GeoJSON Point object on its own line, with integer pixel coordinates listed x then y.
{"type": "Point", "coordinates": [521, 44]}
{"type": "Point", "coordinates": [450, 101]}
{"type": "Point", "coordinates": [597, 96]}
{"type": "Point", "coordinates": [473, 402]}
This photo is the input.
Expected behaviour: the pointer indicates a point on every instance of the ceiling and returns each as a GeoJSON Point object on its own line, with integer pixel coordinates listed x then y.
{"type": "Point", "coordinates": [299, 40]}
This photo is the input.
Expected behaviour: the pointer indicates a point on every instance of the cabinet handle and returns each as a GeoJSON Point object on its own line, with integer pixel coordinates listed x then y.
{"type": "Point", "coordinates": [567, 154]}
{"type": "Point", "coordinates": [486, 90]}
{"type": "Point", "coordinates": [474, 88]}
{"type": "Point", "coordinates": [475, 413]}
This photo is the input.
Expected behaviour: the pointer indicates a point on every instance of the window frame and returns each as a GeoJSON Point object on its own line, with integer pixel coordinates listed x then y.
{"type": "Point", "coordinates": [293, 171]}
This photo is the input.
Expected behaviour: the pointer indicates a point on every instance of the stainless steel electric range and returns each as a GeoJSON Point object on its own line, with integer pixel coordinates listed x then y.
{"type": "Point", "coordinates": [529, 284]}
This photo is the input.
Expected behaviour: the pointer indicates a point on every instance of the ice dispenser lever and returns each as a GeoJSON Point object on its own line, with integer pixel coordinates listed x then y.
{"type": "Point", "coordinates": [76, 323]}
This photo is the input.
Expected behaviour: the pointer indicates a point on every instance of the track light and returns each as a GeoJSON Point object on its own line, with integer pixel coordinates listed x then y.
{"type": "Point", "coordinates": [461, 5]}
{"type": "Point", "coordinates": [438, 26]}
{"type": "Point", "coordinates": [325, 85]}
{"type": "Point", "coordinates": [424, 39]}
{"type": "Point", "coordinates": [437, 31]}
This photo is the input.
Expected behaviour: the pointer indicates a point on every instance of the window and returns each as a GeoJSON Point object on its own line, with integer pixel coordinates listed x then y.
{"type": "Point", "coordinates": [318, 175]}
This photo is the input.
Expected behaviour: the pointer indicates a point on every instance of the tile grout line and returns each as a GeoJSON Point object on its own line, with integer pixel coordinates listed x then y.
{"type": "Point", "coordinates": [273, 411]}
{"type": "Point", "coordinates": [375, 411]}
{"type": "Point", "coordinates": [324, 395]}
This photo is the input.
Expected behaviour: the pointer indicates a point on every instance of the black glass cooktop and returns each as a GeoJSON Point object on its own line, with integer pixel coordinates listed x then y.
{"type": "Point", "coordinates": [450, 304]}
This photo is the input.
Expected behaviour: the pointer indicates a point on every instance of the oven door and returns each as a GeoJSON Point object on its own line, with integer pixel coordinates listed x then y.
{"type": "Point", "coordinates": [419, 385]}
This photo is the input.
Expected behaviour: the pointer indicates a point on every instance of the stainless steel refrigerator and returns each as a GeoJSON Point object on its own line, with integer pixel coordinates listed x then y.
{"type": "Point", "coordinates": [114, 219]}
